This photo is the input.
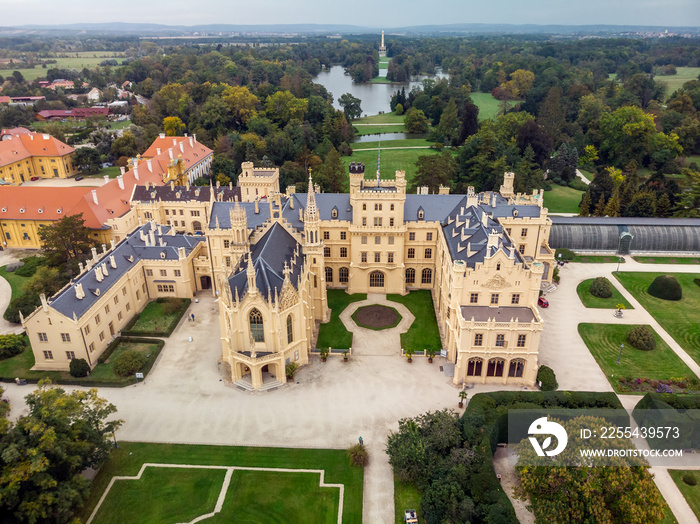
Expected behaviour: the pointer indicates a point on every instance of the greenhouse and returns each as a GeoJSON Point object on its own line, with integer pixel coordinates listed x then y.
{"type": "Point", "coordinates": [626, 235]}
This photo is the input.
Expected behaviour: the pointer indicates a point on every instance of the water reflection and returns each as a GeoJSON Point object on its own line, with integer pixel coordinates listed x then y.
{"type": "Point", "coordinates": [388, 136]}
{"type": "Point", "coordinates": [375, 97]}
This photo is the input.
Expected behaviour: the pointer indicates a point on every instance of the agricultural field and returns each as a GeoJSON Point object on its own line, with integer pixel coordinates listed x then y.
{"type": "Point", "coordinates": [88, 61]}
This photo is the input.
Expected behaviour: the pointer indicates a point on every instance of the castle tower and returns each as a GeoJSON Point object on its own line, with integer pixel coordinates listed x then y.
{"type": "Point", "coordinates": [313, 249]}
{"type": "Point", "coordinates": [239, 231]}
{"type": "Point", "coordinates": [507, 187]}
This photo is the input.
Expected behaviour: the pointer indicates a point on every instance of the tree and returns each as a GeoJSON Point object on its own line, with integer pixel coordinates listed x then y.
{"type": "Point", "coordinates": [331, 174]}
{"type": "Point", "coordinates": [552, 114]}
{"type": "Point", "coordinates": [625, 135]}
{"type": "Point", "coordinates": [125, 145]}
{"type": "Point", "coordinates": [529, 175]}
{"type": "Point", "coordinates": [612, 208]}
{"type": "Point", "coordinates": [415, 121]}
{"type": "Point", "coordinates": [643, 205]}
{"type": "Point", "coordinates": [173, 126]}
{"type": "Point", "coordinates": [87, 160]}
{"type": "Point", "coordinates": [399, 109]}
{"type": "Point", "coordinates": [435, 170]}
{"type": "Point", "coordinates": [585, 206]}
{"type": "Point", "coordinates": [46, 451]}
{"type": "Point", "coordinates": [448, 128]}
{"type": "Point", "coordinates": [572, 488]}
{"type": "Point", "coordinates": [470, 121]}
{"type": "Point", "coordinates": [283, 106]}
{"type": "Point", "coordinates": [45, 280]}
{"type": "Point", "coordinates": [600, 207]}
{"type": "Point", "coordinates": [564, 163]}
{"type": "Point", "coordinates": [351, 106]}
{"type": "Point", "coordinates": [66, 239]}
{"type": "Point", "coordinates": [241, 104]}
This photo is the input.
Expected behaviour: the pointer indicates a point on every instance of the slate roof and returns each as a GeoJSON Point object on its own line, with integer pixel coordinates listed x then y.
{"type": "Point", "coordinates": [499, 314]}
{"type": "Point", "coordinates": [66, 301]}
{"type": "Point", "coordinates": [185, 194]}
{"type": "Point", "coordinates": [269, 255]}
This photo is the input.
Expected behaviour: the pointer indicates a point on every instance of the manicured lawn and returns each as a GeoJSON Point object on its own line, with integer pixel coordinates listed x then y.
{"type": "Point", "coordinates": [384, 118]}
{"type": "Point", "coordinates": [668, 260]}
{"type": "Point", "coordinates": [16, 282]}
{"type": "Point", "coordinates": [691, 493]}
{"type": "Point", "coordinates": [154, 321]}
{"type": "Point", "coordinates": [423, 333]}
{"type": "Point", "coordinates": [562, 199]}
{"type": "Point", "coordinates": [680, 319]}
{"type": "Point", "coordinates": [489, 107]}
{"type": "Point", "coordinates": [592, 301]}
{"type": "Point", "coordinates": [675, 82]}
{"type": "Point", "coordinates": [74, 62]}
{"type": "Point", "coordinates": [598, 259]}
{"type": "Point", "coordinates": [375, 130]}
{"type": "Point", "coordinates": [252, 497]}
{"type": "Point", "coordinates": [587, 174]}
{"type": "Point", "coordinates": [603, 341]}
{"type": "Point", "coordinates": [103, 374]}
{"type": "Point", "coordinates": [409, 142]}
{"type": "Point", "coordinates": [112, 172]}
{"type": "Point", "coordinates": [392, 160]}
{"type": "Point", "coordinates": [380, 80]}
{"type": "Point", "coordinates": [334, 334]}
{"type": "Point", "coordinates": [406, 496]}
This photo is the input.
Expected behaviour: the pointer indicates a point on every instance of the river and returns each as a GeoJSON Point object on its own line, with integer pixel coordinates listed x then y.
{"type": "Point", "coordinates": [375, 97]}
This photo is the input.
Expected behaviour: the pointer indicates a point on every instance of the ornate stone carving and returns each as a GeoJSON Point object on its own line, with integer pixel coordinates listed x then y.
{"type": "Point", "coordinates": [288, 296]}
{"type": "Point", "coordinates": [497, 282]}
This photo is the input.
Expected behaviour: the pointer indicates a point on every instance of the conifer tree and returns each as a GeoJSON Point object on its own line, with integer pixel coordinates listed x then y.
{"type": "Point", "coordinates": [663, 206]}
{"type": "Point", "coordinates": [612, 209]}
{"type": "Point", "coordinates": [585, 206]}
{"type": "Point", "coordinates": [600, 207]}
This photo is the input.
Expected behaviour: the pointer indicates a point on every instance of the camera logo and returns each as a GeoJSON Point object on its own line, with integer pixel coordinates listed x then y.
{"type": "Point", "coordinates": [542, 426]}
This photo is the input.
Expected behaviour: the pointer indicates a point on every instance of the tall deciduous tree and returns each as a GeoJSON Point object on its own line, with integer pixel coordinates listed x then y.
{"type": "Point", "coordinates": [351, 105]}
{"type": "Point", "coordinates": [448, 128]}
{"type": "Point", "coordinates": [173, 126]}
{"type": "Point", "coordinates": [66, 239]}
{"type": "Point", "coordinates": [415, 121]}
{"type": "Point", "coordinates": [435, 171]}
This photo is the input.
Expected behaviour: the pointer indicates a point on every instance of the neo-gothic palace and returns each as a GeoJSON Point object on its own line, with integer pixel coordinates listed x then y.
{"type": "Point", "coordinates": [271, 259]}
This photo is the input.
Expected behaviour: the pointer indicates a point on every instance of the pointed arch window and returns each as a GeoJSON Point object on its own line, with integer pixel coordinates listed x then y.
{"type": "Point", "coordinates": [257, 330]}
{"type": "Point", "coordinates": [290, 329]}
{"type": "Point", "coordinates": [410, 275]}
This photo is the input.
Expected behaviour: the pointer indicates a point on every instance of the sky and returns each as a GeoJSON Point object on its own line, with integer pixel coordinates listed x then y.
{"type": "Point", "coordinates": [369, 13]}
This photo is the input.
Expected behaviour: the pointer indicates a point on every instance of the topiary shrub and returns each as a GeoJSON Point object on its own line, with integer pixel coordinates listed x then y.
{"type": "Point", "coordinates": [690, 479]}
{"type": "Point", "coordinates": [129, 363]}
{"type": "Point", "coordinates": [666, 287]}
{"type": "Point", "coordinates": [79, 368]}
{"type": "Point", "coordinates": [358, 455]}
{"type": "Point", "coordinates": [11, 345]}
{"type": "Point", "coordinates": [547, 378]}
{"type": "Point", "coordinates": [642, 337]}
{"type": "Point", "coordinates": [601, 288]}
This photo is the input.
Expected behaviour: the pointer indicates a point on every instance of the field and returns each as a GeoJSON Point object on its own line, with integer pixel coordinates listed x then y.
{"type": "Point", "coordinates": [406, 496]}
{"type": "Point", "coordinates": [675, 82]}
{"type": "Point", "coordinates": [408, 142]}
{"type": "Point", "coordinates": [562, 199]}
{"type": "Point", "coordinates": [159, 318]}
{"type": "Point", "coordinates": [592, 301]}
{"type": "Point", "coordinates": [384, 118]}
{"type": "Point", "coordinates": [691, 493]}
{"type": "Point", "coordinates": [603, 341]}
{"type": "Point", "coordinates": [489, 107]}
{"type": "Point", "coordinates": [392, 160]}
{"type": "Point", "coordinates": [334, 334]}
{"type": "Point", "coordinates": [87, 60]}
{"type": "Point", "coordinates": [680, 319]}
{"type": "Point", "coordinates": [374, 130]}
{"type": "Point", "coordinates": [423, 333]}
{"type": "Point", "coordinates": [258, 491]}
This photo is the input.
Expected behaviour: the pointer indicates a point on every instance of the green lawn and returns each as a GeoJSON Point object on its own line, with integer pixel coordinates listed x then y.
{"type": "Point", "coordinates": [252, 497]}
{"type": "Point", "coordinates": [154, 321]}
{"type": "Point", "coordinates": [489, 107]}
{"type": "Point", "coordinates": [384, 118]}
{"type": "Point", "coordinates": [598, 259]}
{"type": "Point", "coordinates": [78, 63]}
{"type": "Point", "coordinates": [668, 260]}
{"type": "Point", "coordinates": [562, 199]}
{"type": "Point", "coordinates": [592, 301]}
{"type": "Point", "coordinates": [603, 341]}
{"type": "Point", "coordinates": [103, 374]}
{"type": "Point", "coordinates": [334, 334]}
{"type": "Point", "coordinates": [406, 496]}
{"type": "Point", "coordinates": [112, 172]}
{"type": "Point", "coordinates": [380, 80]}
{"type": "Point", "coordinates": [392, 160]}
{"type": "Point", "coordinates": [374, 130]}
{"type": "Point", "coordinates": [408, 142]}
{"type": "Point", "coordinates": [16, 282]}
{"type": "Point", "coordinates": [691, 493]}
{"type": "Point", "coordinates": [680, 319]}
{"type": "Point", "coordinates": [675, 82]}
{"type": "Point", "coordinates": [587, 174]}
{"type": "Point", "coordinates": [424, 332]}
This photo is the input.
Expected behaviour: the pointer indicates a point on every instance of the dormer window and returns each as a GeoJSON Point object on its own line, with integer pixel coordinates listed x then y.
{"type": "Point", "coordinates": [334, 213]}
{"type": "Point", "coordinates": [421, 214]}
{"type": "Point", "coordinates": [364, 207]}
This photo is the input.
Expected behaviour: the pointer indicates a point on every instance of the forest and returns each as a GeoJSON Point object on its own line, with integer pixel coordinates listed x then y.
{"type": "Point", "coordinates": [598, 105]}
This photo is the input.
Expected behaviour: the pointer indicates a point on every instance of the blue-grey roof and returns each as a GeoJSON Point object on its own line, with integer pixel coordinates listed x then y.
{"type": "Point", "coordinates": [184, 193]}
{"type": "Point", "coordinates": [222, 210]}
{"type": "Point", "coordinates": [126, 254]}
{"type": "Point", "coordinates": [269, 255]}
{"type": "Point", "coordinates": [325, 202]}
{"type": "Point", "coordinates": [435, 207]}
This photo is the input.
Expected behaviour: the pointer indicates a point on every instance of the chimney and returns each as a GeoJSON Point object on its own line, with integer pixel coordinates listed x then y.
{"type": "Point", "coordinates": [46, 136]}
{"type": "Point", "coordinates": [122, 170]}
{"type": "Point", "coordinates": [174, 141]}
{"type": "Point", "coordinates": [79, 293]}
{"type": "Point", "coordinates": [94, 254]}
{"type": "Point", "coordinates": [104, 248]}
{"type": "Point", "coordinates": [88, 264]}
{"type": "Point", "coordinates": [170, 153]}
{"type": "Point", "coordinates": [191, 142]}
{"type": "Point", "coordinates": [182, 148]}
{"type": "Point", "coordinates": [120, 181]}
{"type": "Point", "coordinates": [112, 261]}
{"type": "Point", "coordinates": [160, 241]}
{"type": "Point", "coordinates": [82, 268]}
{"type": "Point", "coordinates": [136, 172]}
{"type": "Point", "coordinates": [291, 202]}
{"type": "Point", "coordinates": [94, 197]}
{"type": "Point", "coordinates": [44, 303]}
{"type": "Point", "coordinates": [157, 151]}
{"type": "Point", "coordinates": [106, 177]}
{"type": "Point", "coordinates": [148, 163]}
{"type": "Point", "coordinates": [162, 135]}
{"type": "Point", "coordinates": [151, 238]}
{"type": "Point", "coordinates": [181, 253]}
{"type": "Point", "coordinates": [112, 243]}
{"type": "Point", "coordinates": [105, 271]}
{"type": "Point", "coordinates": [185, 134]}
{"type": "Point", "coordinates": [98, 274]}
{"type": "Point", "coordinates": [493, 239]}
{"type": "Point", "coordinates": [194, 135]}
{"type": "Point", "coordinates": [172, 185]}
{"type": "Point", "coordinates": [257, 208]}
{"type": "Point", "coordinates": [31, 136]}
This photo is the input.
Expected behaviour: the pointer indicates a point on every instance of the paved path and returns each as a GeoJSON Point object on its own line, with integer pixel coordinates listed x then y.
{"type": "Point", "coordinates": [7, 328]}
{"type": "Point", "coordinates": [582, 177]}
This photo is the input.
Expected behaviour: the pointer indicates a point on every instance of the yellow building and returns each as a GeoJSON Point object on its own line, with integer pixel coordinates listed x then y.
{"type": "Point", "coordinates": [28, 155]}
{"type": "Point", "coordinates": [258, 182]}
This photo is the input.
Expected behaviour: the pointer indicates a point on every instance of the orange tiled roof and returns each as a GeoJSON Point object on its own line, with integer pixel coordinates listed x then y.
{"type": "Point", "coordinates": [190, 148]}
{"type": "Point", "coordinates": [26, 145]}
{"type": "Point", "coordinates": [39, 203]}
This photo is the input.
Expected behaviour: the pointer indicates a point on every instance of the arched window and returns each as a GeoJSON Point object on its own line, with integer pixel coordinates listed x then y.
{"type": "Point", "coordinates": [426, 276]}
{"type": "Point", "coordinates": [410, 275]}
{"type": "Point", "coordinates": [376, 279]}
{"type": "Point", "coordinates": [290, 329]}
{"type": "Point", "coordinates": [498, 266]}
{"type": "Point", "coordinates": [516, 368]}
{"type": "Point", "coordinates": [364, 207]}
{"type": "Point", "coordinates": [196, 225]}
{"type": "Point", "coordinates": [474, 367]}
{"type": "Point", "coordinates": [329, 274]}
{"type": "Point", "coordinates": [495, 367]}
{"type": "Point", "coordinates": [428, 253]}
{"type": "Point", "coordinates": [256, 326]}
{"type": "Point", "coordinates": [343, 275]}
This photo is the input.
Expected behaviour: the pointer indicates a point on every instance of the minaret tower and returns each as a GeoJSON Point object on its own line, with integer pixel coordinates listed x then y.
{"type": "Point", "coordinates": [382, 48]}
{"type": "Point", "coordinates": [313, 249]}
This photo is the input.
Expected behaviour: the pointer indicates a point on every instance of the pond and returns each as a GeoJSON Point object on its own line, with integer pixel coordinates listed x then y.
{"type": "Point", "coordinates": [375, 97]}
{"type": "Point", "coordinates": [389, 136]}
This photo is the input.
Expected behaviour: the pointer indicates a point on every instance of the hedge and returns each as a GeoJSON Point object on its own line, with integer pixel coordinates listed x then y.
{"type": "Point", "coordinates": [667, 410]}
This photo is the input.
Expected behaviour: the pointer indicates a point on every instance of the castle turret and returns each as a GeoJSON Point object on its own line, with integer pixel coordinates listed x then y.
{"type": "Point", "coordinates": [313, 249]}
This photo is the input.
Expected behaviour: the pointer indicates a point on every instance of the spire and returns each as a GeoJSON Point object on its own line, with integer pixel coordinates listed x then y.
{"type": "Point", "coordinates": [250, 273]}
{"type": "Point", "coordinates": [311, 209]}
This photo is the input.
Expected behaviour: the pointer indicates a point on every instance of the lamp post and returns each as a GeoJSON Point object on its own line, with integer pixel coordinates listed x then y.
{"type": "Point", "coordinates": [619, 261]}
{"type": "Point", "coordinates": [622, 346]}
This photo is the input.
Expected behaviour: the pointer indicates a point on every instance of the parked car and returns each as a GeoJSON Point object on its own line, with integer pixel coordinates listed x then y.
{"type": "Point", "coordinates": [542, 302]}
{"type": "Point", "coordinates": [78, 178]}
{"type": "Point", "coordinates": [34, 178]}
